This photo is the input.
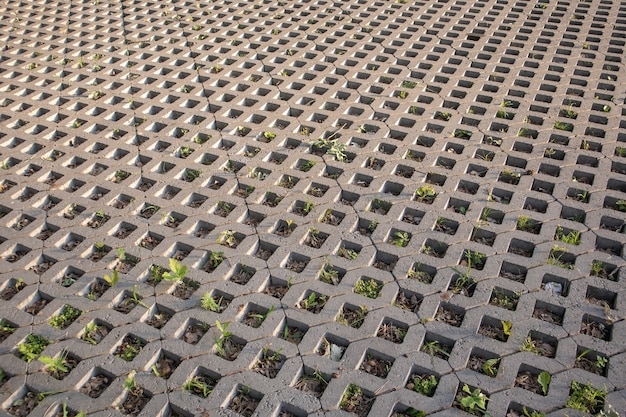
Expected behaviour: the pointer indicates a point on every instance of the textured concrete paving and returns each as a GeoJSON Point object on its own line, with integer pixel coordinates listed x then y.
{"type": "Point", "coordinates": [376, 197]}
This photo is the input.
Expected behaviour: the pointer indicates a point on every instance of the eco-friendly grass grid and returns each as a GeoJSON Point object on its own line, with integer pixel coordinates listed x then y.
{"type": "Point", "coordinates": [201, 197]}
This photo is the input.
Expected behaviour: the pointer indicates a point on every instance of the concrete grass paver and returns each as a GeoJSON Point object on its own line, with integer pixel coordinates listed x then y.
{"type": "Point", "coordinates": [312, 208]}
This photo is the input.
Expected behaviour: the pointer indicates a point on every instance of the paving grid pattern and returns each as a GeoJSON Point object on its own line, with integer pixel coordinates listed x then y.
{"type": "Point", "coordinates": [185, 130]}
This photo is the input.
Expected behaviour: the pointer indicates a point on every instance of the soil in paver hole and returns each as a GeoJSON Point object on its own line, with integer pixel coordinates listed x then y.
{"type": "Point", "coordinates": [149, 242]}
{"type": "Point", "coordinates": [295, 266]}
{"type": "Point", "coordinates": [383, 266]}
{"type": "Point", "coordinates": [589, 366]}
{"type": "Point", "coordinates": [242, 277]}
{"type": "Point", "coordinates": [193, 334]}
{"type": "Point", "coordinates": [184, 290]}
{"type": "Point", "coordinates": [10, 291]}
{"type": "Point", "coordinates": [263, 254]}
{"type": "Point", "coordinates": [595, 329]}
{"type": "Point", "coordinates": [376, 366]}
{"type": "Point", "coordinates": [311, 385]}
{"type": "Point", "coordinates": [96, 385]}
{"type": "Point", "coordinates": [292, 334]}
{"type": "Point", "coordinates": [125, 266]}
{"type": "Point", "coordinates": [126, 305]}
{"type": "Point", "coordinates": [253, 319]}
{"type": "Point", "coordinates": [268, 367]}
{"type": "Point", "coordinates": [36, 307]}
{"type": "Point", "coordinates": [276, 290]}
{"type": "Point", "coordinates": [165, 366]}
{"type": "Point", "coordinates": [159, 319]}
{"type": "Point", "coordinates": [392, 333]}
{"type": "Point", "coordinates": [529, 382]}
{"type": "Point", "coordinates": [23, 406]}
{"type": "Point", "coordinates": [135, 402]}
{"type": "Point", "coordinates": [123, 233]}
{"type": "Point", "coordinates": [353, 318]}
{"type": "Point", "coordinates": [97, 289]}
{"type": "Point", "coordinates": [410, 303]}
{"type": "Point", "coordinates": [243, 404]}
{"type": "Point", "coordinates": [492, 332]}
{"type": "Point", "coordinates": [232, 349]}
{"type": "Point", "coordinates": [357, 404]}
{"type": "Point", "coordinates": [450, 317]}
{"type": "Point", "coordinates": [129, 348]}
{"type": "Point", "coordinates": [546, 315]}
{"type": "Point", "coordinates": [94, 337]}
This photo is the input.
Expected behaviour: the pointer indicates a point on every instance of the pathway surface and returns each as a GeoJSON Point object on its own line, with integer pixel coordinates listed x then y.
{"type": "Point", "coordinates": [292, 208]}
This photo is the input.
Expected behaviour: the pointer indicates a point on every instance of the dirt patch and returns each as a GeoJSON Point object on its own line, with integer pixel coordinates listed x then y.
{"type": "Point", "coordinates": [244, 404]}
{"type": "Point", "coordinates": [193, 333]}
{"type": "Point", "coordinates": [165, 366]}
{"type": "Point", "coordinates": [23, 406]}
{"type": "Point", "coordinates": [126, 305]}
{"type": "Point", "coordinates": [352, 318]}
{"type": "Point", "coordinates": [159, 319]}
{"type": "Point", "coordinates": [269, 364]}
{"type": "Point", "coordinates": [312, 385]}
{"type": "Point", "coordinates": [10, 291]}
{"type": "Point", "coordinates": [129, 348]}
{"type": "Point", "coordinates": [391, 332]}
{"type": "Point", "coordinates": [184, 289]}
{"type": "Point", "coordinates": [448, 316]}
{"type": "Point", "coordinates": [547, 315]}
{"type": "Point", "coordinates": [276, 290]}
{"type": "Point", "coordinates": [95, 335]}
{"type": "Point", "coordinates": [492, 332]}
{"type": "Point", "coordinates": [97, 288]}
{"type": "Point", "coordinates": [292, 334]}
{"type": "Point", "coordinates": [376, 366]}
{"type": "Point", "coordinates": [36, 307]}
{"type": "Point", "coordinates": [96, 385]}
{"type": "Point", "coordinates": [136, 400]}
{"type": "Point", "coordinates": [242, 277]}
{"type": "Point", "coordinates": [529, 382]}
{"type": "Point", "coordinates": [409, 302]}
{"type": "Point", "coordinates": [595, 329]}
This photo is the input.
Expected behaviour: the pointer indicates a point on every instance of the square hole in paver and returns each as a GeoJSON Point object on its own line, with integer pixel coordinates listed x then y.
{"type": "Point", "coordinates": [434, 248]}
{"type": "Point", "coordinates": [392, 330]}
{"type": "Point", "coordinates": [591, 361]}
{"type": "Point", "coordinates": [532, 379]}
{"type": "Point", "coordinates": [504, 298]}
{"type": "Point", "coordinates": [202, 382]}
{"type": "Point", "coordinates": [412, 216]}
{"type": "Point", "coordinates": [312, 381]}
{"type": "Point", "coordinates": [450, 314]}
{"type": "Point", "coordinates": [521, 247]}
{"type": "Point", "coordinates": [484, 362]}
{"type": "Point", "coordinates": [494, 329]}
{"type": "Point", "coordinates": [550, 313]}
{"type": "Point", "coordinates": [242, 274]}
{"type": "Point", "coordinates": [244, 400]}
{"type": "Point", "coordinates": [596, 327]}
{"type": "Point", "coordinates": [312, 301]}
{"type": "Point", "coordinates": [483, 236]}
{"type": "Point", "coordinates": [293, 331]}
{"type": "Point", "coordinates": [376, 363]}
{"type": "Point", "coordinates": [438, 346]}
{"type": "Point", "coordinates": [97, 383]}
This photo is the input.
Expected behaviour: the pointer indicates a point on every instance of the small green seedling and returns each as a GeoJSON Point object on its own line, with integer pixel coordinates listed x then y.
{"type": "Point", "coordinates": [30, 349]}
{"type": "Point", "coordinates": [544, 379]}
{"type": "Point", "coordinates": [208, 303]}
{"type": "Point", "coordinates": [113, 279]}
{"type": "Point", "coordinates": [195, 384]}
{"type": "Point", "coordinates": [269, 135]}
{"type": "Point", "coordinates": [585, 398]}
{"type": "Point", "coordinates": [506, 327]}
{"type": "Point", "coordinates": [57, 364]}
{"type": "Point", "coordinates": [425, 384]}
{"type": "Point", "coordinates": [67, 315]}
{"type": "Point", "coordinates": [224, 336]}
{"type": "Point", "coordinates": [368, 288]}
{"type": "Point", "coordinates": [425, 194]}
{"type": "Point", "coordinates": [216, 259]}
{"type": "Point", "coordinates": [178, 271]}
{"type": "Point", "coordinates": [490, 367]}
{"type": "Point", "coordinates": [348, 253]}
{"type": "Point", "coordinates": [474, 399]}
{"type": "Point", "coordinates": [260, 316]}
{"type": "Point", "coordinates": [572, 238]}
{"type": "Point", "coordinates": [400, 239]}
